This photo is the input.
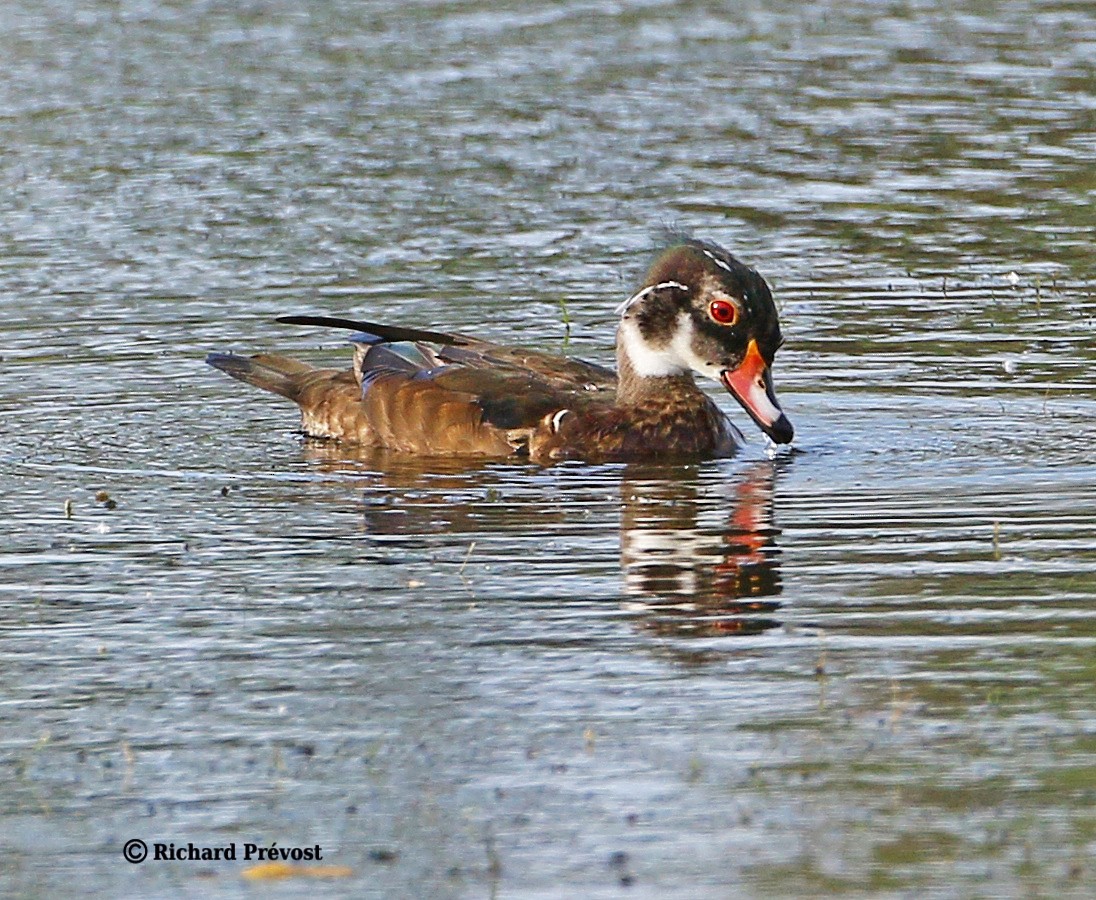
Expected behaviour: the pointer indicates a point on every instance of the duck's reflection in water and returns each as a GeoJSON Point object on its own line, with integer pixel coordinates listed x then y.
{"type": "Point", "coordinates": [698, 566]}
{"type": "Point", "coordinates": [698, 554]}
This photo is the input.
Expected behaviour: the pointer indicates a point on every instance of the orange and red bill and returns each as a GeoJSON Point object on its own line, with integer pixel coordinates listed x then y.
{"type": "Point", "coordinates": [751, 384]}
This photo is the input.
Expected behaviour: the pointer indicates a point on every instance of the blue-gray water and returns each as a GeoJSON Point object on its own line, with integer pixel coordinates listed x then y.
{"type": "Point", "coordinates": [866, 667]}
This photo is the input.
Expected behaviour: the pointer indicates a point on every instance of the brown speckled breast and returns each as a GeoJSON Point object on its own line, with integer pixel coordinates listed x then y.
{"type": "Point", "coordinates": [675, 426]}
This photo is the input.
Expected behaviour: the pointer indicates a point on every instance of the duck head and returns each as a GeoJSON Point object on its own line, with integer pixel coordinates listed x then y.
{"type": "Point", "coordinates": [701, 310]}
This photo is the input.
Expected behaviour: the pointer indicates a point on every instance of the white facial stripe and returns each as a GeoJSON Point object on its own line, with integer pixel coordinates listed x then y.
{"type": "Point", "coordinates": [635, 298]}
{"type": "Point", "coordinates": [682, 346]}
{"type": "Point", "coordinates": [557, 419]}
{"type": "Point", "coordinates": [716, 260]}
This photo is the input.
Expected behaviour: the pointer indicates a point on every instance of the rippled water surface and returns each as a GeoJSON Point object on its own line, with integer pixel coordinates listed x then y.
{"type": "Point", "coordinates": [866, 666]}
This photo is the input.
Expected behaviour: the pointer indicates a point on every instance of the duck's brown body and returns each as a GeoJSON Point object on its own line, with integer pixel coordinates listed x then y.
{"type": "Point", "coordinates": [434, 393]}
{"type": "Point", "coordinates": [677, 420]}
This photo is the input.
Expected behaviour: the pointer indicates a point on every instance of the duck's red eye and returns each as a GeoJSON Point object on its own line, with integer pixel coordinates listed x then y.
{"type": "Point", "coordinates": [723, 312]}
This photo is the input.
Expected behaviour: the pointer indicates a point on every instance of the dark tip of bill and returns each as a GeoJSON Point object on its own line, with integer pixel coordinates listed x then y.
{"type": "Point", "coordinates": [781, 431]}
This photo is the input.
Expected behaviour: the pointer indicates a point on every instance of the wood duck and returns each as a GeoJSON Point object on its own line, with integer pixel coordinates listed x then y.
{"type": "Point", "coordinates": [699, 310]}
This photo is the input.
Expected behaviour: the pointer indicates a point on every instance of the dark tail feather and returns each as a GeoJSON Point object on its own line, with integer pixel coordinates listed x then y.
{"type": "Point", "coordinates": [385, 332]}
{"type": "Point", "coordinates": [278, 374]}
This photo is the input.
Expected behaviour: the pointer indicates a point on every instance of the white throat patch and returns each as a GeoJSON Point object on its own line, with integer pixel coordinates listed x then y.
{"type": "Point", "coordinates": [648, 361]}
{"type": "Point", "coordinates": [674, 358]}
